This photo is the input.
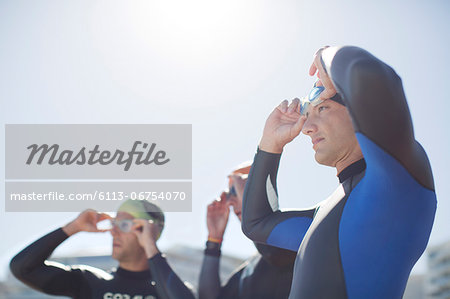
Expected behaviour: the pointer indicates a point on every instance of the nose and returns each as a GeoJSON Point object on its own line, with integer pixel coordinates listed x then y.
{"type": "Point", "coordinates": [114, 231]}
{"type": "Point", "coordinates": [309, 126]}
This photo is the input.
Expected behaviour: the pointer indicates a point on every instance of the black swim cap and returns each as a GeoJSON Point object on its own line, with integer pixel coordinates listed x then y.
{"type": "Point", "coordinates": [338, 99]}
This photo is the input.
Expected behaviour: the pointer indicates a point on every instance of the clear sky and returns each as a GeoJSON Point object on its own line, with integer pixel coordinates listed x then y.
{"type": "Point", "coordinates": [221, 66]}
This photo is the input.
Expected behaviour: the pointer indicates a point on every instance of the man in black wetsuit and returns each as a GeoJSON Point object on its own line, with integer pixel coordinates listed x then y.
{"type": "Point", "coordinates": [362, 241]}
{"type": "Point", "coordinates": [265, 275]}
{"type": "Point", "coordinates": [143, 272]}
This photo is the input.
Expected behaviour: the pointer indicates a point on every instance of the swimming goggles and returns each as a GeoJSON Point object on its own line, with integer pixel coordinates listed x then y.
{"type": "Point", "coordinates": [231, 192]}
{"type": "Point", "coordinates": [311, 99]}
{"type": "Point", "coordinates": [124, 225]}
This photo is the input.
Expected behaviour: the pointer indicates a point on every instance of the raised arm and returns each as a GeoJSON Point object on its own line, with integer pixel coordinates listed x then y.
{"type": "Point", "coordinates": [374, 96]}
{"type": "Point", "coordinates": [262, 221]}
{"type": "Point", "coordinates": [209, 281]}
{"type": "Point", "coordinates": [216, 220]}
{"type": "Point", "coordinates": [168, 284]}
{"type": "Point", "coordinates": [30, 265]}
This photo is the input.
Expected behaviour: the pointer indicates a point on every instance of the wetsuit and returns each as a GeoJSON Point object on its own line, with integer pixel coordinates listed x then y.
{"type": "Point", "coordinates": [80, 281]}
{"type": "Point", "coordinates": [362, 241]}
{"type": "Point", "coordinates": [265, 275]}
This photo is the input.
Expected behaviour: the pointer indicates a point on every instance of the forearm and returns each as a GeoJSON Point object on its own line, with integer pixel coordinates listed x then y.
{"type": "Point", "coordinates": [260, 196]}
{"type": "Point", "coordinates": [168, 284]}
{"type": "Point", "coordinates": [56, 279]}
{"type": "Point", "coordinates": [209, 281]}
{"type": "Point", "coordinates": [71, 228]}
{"type": "Point", "coordinates": [262, 221]}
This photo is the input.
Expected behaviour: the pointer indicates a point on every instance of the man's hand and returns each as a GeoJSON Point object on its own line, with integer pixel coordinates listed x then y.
{"type": "Point", "coordinates": [86, 222]}
{"type": "Point", "coordinates": [217, 217]}
{"type": "Point", "coordinates": [282, 126]}
{"type": "Point", "coordinates": [147, 232]}
{"type": "Point", "coordinates": [324, 53]}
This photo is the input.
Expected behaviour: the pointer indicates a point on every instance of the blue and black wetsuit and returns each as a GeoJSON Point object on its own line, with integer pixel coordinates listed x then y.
{"type": "Point", "coordinates": [362, 241]}
{"type": "Point", "coordinates": [81, 281]}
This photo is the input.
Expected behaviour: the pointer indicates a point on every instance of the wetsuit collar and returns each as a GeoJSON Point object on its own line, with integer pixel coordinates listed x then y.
{"type": "Point", "coordinates": [352, 170]}
{"type": "Point", "coordinates": [133, 274]}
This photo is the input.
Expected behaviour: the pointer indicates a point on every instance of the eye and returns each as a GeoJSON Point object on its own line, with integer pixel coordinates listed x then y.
{"type": "Point", "coordinates": [321, 108]}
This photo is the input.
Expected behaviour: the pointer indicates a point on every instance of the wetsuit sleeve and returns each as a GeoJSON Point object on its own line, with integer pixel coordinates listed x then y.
{"type": "Point", "coordinates": [209, 281]}
{"type": "Point", "coordinates": [262, 221]}
{"type": "Point", "coordinates": [168, 284]}
{"type": "Point", "coordinates": [374, 96]}
{"type": "Point", "coordinates": [30, 267]}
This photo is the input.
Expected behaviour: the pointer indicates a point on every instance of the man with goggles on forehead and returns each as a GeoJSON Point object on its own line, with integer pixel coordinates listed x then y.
{"type": "Point", "coordinates": [142, 273]}
{"type": "Point", "coordinates": [363, 240]}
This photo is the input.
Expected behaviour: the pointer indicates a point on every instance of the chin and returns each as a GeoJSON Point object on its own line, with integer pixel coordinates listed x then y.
{"type": "Point", "coordinates": [115, 255]}
{"type": "Point", "coordinates": [323, 159]}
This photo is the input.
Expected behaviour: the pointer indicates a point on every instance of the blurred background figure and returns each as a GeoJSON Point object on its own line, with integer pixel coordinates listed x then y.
{"type": "Point", "coordinates": [142, 270]}
{"type": "Point", "coordinates": [267, 274]}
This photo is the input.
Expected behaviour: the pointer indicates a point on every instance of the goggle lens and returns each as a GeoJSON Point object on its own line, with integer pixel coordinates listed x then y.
{"type": "Point", "coordinates": [231, 193]}
{"type": "Point", "coordinates": [124, 225]}
{"type": "Point", "coordinates": [312, 98]}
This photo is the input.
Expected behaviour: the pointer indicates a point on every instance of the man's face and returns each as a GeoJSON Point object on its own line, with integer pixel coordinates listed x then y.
{"type": "Point", "coordinates": [331, 130]}
{"type": "Point", "coordinates": [125, 245]}
{"type": "Point", "coordinates": [235, 200]}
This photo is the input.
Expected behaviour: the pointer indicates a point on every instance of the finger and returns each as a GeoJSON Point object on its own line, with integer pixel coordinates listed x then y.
{"type": "Point", "coordinates": [103, 216]}
{"type": "Point", "coordinates": [142, 222]}
{"type": "Point", "coordinates": [136, 232]}
{"type": "Point", "coordinates": [223, 197]}
{"type": "Point", "coordinates": [106, 215]}
{"type": "Point", "coordinates": [297, 128]}
{"type": "Point", "coordinates": [294, 105]}
{"type": "Point", "coordinates": [139, 221]}
{"type": "Point", "coordinates": [316, 62]}
{"type": "Point", "coordinates": [326, 94]}
{"type": "Point", "coordinates": [213, 202]}
{"type": "Point", "coordinates": [138, 228]}
{"type": "Point", "coordinates": [139, 224]}
{"type": "Point", "coordinates": [91, 213]}
{"type": "Point", "coordinates": [283, 106]}
{"type": "Point", "coordinates": [319, 51]}
{"type": "Point", "coordinates": [312, 69]}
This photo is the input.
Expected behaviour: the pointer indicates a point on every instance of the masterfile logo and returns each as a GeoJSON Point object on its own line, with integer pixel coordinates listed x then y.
{"type": "Point", "coordinates": [91, 157]}
{"type": "Point", "coordinates": [68, 168]}
{"type": "Point", "coordinates": [98, 151]}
